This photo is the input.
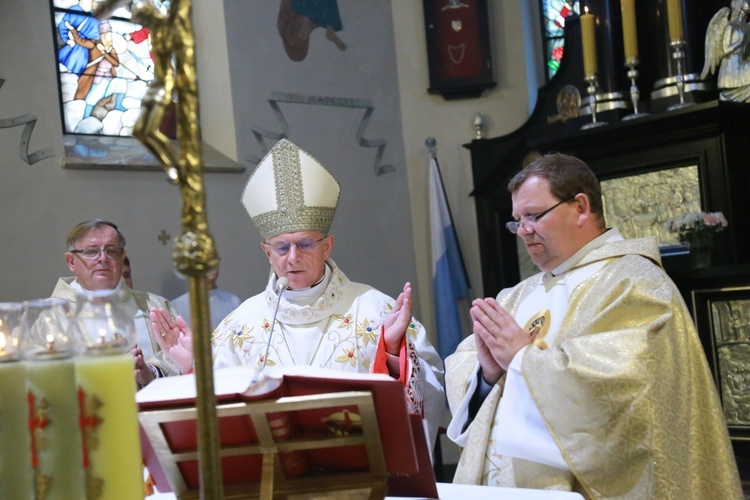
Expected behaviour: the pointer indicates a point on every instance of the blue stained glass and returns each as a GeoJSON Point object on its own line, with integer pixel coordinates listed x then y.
{"type": "Point", "coordinates": [104, 67]}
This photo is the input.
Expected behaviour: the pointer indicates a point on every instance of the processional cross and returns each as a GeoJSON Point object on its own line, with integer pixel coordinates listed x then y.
{"type": "Point", "coordinates": [194, 253]}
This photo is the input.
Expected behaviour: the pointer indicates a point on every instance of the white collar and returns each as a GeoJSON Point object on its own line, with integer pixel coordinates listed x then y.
{"type": "Point", "coordinates": [309, 295]}
{"type": "Point", "coordinates": [79, 288]}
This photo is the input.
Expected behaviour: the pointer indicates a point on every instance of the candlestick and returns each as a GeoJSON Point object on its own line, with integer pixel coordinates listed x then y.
{"type": "Point", "coordinates": [106, 397]}
{"type": "Point", "coordinates": [588, 41]}
{"type": "Point", "coordinates": [15, 444]}
{"type": "Point", "coordinates": [634, 93]}
{"type": "Point", "coordinates": [629, 33]}
{"type": "Point", "coordinates": [678, 55]}
{"type": "Point", "coordinates": [592, 89]}
{"type": "Point", "coordinates": [674, 17]}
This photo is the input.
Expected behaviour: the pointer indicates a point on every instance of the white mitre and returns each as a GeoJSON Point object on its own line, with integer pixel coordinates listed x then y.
{"type": "Point", "coordinates": [290, 191]}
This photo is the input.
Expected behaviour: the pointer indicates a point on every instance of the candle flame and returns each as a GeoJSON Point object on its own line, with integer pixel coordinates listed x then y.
{"type": "Point", "coordinates": [102, 335]}
{"type": "Point", "coordinates": [2, 341]}
{"type": "Point", "coordinates": [586, 10]}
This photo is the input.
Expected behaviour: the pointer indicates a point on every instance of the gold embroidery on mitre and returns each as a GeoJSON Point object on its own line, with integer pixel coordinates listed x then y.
{"type": "Point", "coordinates": [537, 328]}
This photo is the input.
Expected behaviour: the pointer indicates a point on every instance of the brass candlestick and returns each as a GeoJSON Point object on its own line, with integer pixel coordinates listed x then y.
{"type": "Point", "coordinates": [635, 95]}
{"type": "Point", "coordinates": [678, 55]}
{"type": "Point", "coordinates": [592, 88]}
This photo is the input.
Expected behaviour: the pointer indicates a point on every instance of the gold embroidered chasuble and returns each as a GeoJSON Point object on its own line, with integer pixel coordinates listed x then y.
{"type": "Point", "coordinates": [624, 390]}
{"type": "Point", "coordinates": [340, 330]}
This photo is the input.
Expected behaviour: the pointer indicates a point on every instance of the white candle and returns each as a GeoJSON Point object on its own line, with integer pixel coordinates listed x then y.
{"type": "Point", "coordinates": [15, 445]}
{"type": "Point", "coordinates": [55, 438]}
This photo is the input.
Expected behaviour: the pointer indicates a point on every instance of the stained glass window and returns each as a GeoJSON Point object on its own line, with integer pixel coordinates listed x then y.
{"type": "Point", "coordinates": [104, 67]}
{"type": "Point", "coordinates": [554, 13]}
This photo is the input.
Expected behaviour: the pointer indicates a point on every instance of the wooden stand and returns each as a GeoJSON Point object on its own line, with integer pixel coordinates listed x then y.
{"type": "Point", "coordinates": [371, 483]}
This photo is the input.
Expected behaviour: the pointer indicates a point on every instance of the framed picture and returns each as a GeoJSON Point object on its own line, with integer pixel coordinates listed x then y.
{"type": "Point", "coordinates": [640, 205]}
{"type": "Point", "coordinates": [458, 47]}
{"type": "Point", "coordinates": [722, 317]}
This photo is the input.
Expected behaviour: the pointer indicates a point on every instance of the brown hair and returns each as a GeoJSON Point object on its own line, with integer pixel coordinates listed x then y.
{"type": "Point", "coordinates": [567, 176]}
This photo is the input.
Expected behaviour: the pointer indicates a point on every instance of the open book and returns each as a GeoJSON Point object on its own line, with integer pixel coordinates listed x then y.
{"type": "Point", "coordinates": [239, 389]}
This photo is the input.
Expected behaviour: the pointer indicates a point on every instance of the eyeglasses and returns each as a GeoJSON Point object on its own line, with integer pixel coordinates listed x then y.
{"type": "Point", "coordinates": [93, 253]}
{"type": "Point", "coordinates": [530, 220]}
{"type": "Point", "coordinates": [305, 245]}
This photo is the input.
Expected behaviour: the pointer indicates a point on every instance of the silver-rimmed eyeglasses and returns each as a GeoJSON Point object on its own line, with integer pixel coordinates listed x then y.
{"type": "Point", "coordinates": [530, 220]}
{"type": "Point", "coordinates": [92, 253]}
{"type": "Point", "coordinates": [305, 245]}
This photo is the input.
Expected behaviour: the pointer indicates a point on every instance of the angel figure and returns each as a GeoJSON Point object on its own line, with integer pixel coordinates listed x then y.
{"type": "Point", "coordinates": [728, 46]}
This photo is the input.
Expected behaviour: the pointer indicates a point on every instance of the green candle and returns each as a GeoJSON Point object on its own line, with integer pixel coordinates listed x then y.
{"type": "Point", "coordinates": [55, 436]}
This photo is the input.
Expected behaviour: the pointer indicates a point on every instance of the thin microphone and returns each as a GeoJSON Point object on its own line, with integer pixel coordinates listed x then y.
{"type": "Point", "coordinates": [281, 285]}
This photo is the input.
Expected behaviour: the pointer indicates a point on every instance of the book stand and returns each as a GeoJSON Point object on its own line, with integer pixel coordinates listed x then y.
{"type": "Point", "coordinates": [253, 450]}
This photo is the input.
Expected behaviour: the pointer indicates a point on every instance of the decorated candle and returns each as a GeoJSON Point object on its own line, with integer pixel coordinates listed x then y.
{"type": "Point", "coordinates": [589, 44]}
{"type": "Point", "coordinates": [53, 421]}
{"type": "Point", "coordinates": [52, 408]}
{"type": "Point", "coordinates": [106, 399]}
{"type": "Point", "coordinates": [674, 16]}
{"type": "Point", "coordinates": [15, 446]}
{"type": "Point", "coordinates": [629, 36]}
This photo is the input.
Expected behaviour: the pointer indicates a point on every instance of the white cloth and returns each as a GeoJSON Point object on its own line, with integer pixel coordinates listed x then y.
{"type": "Point", "coordinates": [336, 325]}
{"type": "Point", "coordinates": [220, 304]}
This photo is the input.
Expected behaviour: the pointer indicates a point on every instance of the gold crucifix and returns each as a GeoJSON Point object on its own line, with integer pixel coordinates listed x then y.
{"type": "Point", "coordinates": [194, 253]}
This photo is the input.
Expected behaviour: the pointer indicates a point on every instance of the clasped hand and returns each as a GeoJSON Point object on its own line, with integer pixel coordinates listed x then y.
{"type": "Point", "coordinates": [497, 336]}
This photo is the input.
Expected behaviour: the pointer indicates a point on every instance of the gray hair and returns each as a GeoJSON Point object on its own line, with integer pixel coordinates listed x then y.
{"type": "Point", "coordinates": [82, 228]}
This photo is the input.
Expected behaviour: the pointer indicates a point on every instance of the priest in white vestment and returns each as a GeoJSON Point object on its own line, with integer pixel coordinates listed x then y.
{"type": "Point", "coordinates": [96, 253]}
{"type": "Point", "coordinates": [588, 376]}
{"type": "Point", "coordinates": [324, 319]}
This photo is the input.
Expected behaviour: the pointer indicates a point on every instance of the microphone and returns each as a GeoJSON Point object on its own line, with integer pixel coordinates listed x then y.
{"type": "Point", "coordinates": [281, 285]}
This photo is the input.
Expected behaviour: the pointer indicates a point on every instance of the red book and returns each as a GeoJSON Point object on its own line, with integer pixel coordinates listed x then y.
{"type": "Point", "coordinates": [236, 430]}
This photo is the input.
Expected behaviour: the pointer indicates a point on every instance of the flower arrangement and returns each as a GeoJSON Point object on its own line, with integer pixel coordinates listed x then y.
{"type": "Point", "coordinates": [696, 228]}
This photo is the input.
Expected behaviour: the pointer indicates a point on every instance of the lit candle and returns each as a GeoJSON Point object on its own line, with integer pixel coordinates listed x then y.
{"type": "Point", "coordinates": [674, 15]}
{"type": "Point", "coordinates": [55, 436]}
{"type": "Point", "coordinates": [629, 35]}
{"type": "Point", "coordinates": [109, 424]}
{"type": "Point", "coordinates": [589, 44]}
{"type": "Point", "coordinates": [15, 445]}
{"type": "Point", "coordinates": [106, 397]}
{"type": "Point", "coordinates": [51, 400]}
